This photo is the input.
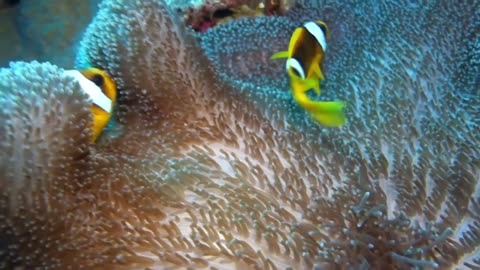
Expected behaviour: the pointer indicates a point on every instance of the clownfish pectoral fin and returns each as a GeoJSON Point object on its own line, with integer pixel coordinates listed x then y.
{"type": "Point", "coordinates": [279, 55]}
{"type": "Point", "coordinates": [329, 113]}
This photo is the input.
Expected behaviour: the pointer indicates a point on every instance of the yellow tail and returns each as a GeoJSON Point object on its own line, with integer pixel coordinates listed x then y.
{"type": "Point", "coordinates": [327, 113]}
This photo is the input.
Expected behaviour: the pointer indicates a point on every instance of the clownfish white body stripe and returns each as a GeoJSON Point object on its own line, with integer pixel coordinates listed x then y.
{"type": "Point", "coordinates": [318, 33]}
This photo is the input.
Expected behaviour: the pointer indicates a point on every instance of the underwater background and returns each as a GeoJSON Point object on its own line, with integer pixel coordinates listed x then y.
{"type": "Point", "coordinates": [209, 163]}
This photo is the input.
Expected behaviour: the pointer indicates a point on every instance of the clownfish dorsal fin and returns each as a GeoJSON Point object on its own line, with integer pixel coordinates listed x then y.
{"type": "Point", "coordinates": [279, 55]}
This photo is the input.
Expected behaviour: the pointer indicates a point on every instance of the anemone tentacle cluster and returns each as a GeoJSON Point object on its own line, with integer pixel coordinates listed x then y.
{"type": "Point", "coordinates": [215, 167]}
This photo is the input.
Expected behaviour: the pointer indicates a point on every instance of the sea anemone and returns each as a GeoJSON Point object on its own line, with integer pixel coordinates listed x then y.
{"type": "Point", "coordinates": [212, 13]}
{"type": "Point", "coordinates": [44, 138]}
{"type": "Point", "coordinates": [215, 167]}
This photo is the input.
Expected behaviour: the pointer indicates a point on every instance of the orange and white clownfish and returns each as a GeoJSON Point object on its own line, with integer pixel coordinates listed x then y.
{"type": "Point", "coordinates": [306, 50]}
{"type": "Point", "coordinates": [102, 90]}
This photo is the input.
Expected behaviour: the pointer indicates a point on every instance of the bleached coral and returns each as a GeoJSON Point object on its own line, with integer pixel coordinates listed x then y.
{"type": "Point", "coordinates": [206, 173]}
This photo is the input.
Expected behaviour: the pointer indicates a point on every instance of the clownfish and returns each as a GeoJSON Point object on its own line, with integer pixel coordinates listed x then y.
{"type": "Point", "coordinates": [306, 50]}
{"type": "Point", "coordinates": [102, 91]}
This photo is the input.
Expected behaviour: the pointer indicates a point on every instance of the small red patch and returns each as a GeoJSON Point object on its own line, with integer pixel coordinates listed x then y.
{"type": "Point", "coordinates": [205, 25]}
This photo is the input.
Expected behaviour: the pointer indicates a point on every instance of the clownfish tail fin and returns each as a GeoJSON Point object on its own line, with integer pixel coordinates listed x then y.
{"type": "Point", "coordinates": [278, 55]}
{"type": "Point", "coordinates": [329, 113]}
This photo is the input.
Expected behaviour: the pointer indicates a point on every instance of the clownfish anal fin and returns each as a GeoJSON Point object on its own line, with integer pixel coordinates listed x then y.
{"type": "Point", "coordinates": [318, 72]}
{"type": "Point", "coordinates": [279, 55]}
{"type": "Point", "coordinates": [312, 84]}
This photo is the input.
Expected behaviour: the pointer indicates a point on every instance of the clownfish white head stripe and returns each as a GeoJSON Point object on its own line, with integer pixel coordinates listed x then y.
{"type": "Point", "coordinates": [294, 64]}
{"type": "Point", "coordinates": [92, 90]}
{"type": "Point", "coordinates": [314, 29]}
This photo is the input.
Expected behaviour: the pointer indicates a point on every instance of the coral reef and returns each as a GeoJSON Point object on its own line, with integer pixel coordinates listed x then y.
{"type": "Point", "coordinates": [213, 164]}
{"type": "Point", "coordinates": [212, 13]}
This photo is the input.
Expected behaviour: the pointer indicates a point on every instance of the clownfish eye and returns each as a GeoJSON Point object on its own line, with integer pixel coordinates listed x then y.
{"type": "Point", "coordinates": [97, 79]}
